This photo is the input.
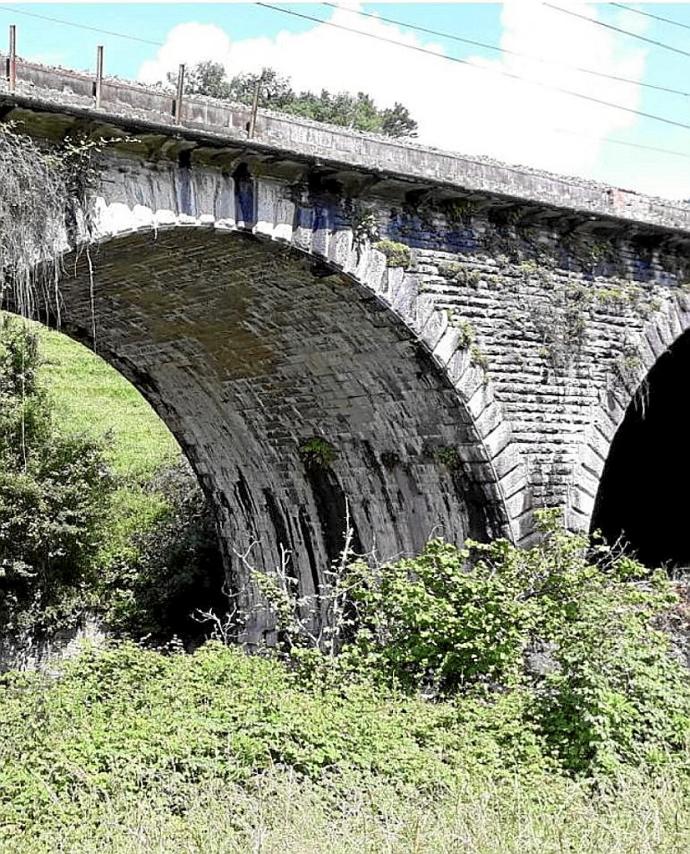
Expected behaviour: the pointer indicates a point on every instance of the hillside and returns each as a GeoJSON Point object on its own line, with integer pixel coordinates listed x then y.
{"type": "Point", "coordinates": [92, 397]}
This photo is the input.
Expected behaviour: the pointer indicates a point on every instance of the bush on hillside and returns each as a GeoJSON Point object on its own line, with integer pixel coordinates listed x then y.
{"type": "Point", "coordinates": [571, 631]}
{"type": "Point", "coordinates": [53, 493]}
{"type": "Point", "coordinates": [78, 540]}
{"type": "Point", "coordinates": [167, 567]}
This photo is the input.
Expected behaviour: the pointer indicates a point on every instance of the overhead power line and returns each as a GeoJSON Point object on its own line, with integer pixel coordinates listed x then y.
{"type": "Point", "coordinates": [618, 30]}
{"type": "Point", "coordinates": [500, 71]}
{"type": "Point", "coordinates": [640, 146]}
{"type": "Point", "coordinates": [637, 145]}
{"type": "Point", "coordinates": [649, 15]}
{"type": "Point", "coordinates": [16, 11]}
{"type": "Point", "coordinates": [456, 38]}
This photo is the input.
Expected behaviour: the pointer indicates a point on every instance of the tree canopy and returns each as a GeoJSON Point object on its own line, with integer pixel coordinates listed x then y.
{"type": "Point", "coordinates": [275, 92]}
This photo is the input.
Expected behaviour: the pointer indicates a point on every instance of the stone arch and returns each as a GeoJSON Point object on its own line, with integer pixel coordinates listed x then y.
{"type": "Point", "coordinates": [259, 328]}
{"type": "Point", "coordinates": [625, 399]}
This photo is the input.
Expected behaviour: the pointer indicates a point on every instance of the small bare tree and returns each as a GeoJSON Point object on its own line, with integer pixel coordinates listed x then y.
{"type": "Point", "coordinates": [319, 620]}
{"type": "Point", "coordinates": [223, 627]}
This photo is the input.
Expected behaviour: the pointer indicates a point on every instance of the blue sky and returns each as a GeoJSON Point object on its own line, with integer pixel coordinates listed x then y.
{"type": "Point", "coordinates": [474, 111]}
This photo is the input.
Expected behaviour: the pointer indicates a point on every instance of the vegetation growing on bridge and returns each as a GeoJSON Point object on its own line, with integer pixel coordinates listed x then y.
{"type": "Point", "coordinates": [317, 452]}
{"type": "Point", "coordinates": [46, 206]}
{"type": "Point", "coordinates": [397, 254]}
{"type": "Point", "coordinates": [33, 195]}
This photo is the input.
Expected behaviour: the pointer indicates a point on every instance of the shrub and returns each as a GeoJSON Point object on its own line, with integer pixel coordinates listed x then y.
{"type": "Point", "coordinates": [125, 719]}
{"type": "Point", "coordinates": [607, 692]}
{"type": "Point", "coordinates": [165, 564]}
{"type": "Point", "coordinates": [317, 453]}
{"type": "Point", "coordinates": [397, 254]}
{"type": "Point", "coordinates": [53, 494]}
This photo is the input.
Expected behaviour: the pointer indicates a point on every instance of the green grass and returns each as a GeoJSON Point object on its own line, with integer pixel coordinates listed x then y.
{"type": "Point", "coordinates": [92, 397]}
{"type": "Point", "coordinates": [282, 814]}
{"type": "Point", "coordinates": [134, 751]}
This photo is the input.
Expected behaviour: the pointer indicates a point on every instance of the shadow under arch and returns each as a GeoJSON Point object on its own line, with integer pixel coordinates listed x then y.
{"type": "Point", "coordinates": [249, 349]}
{"type": "Point", "coordinates": [641, 492]}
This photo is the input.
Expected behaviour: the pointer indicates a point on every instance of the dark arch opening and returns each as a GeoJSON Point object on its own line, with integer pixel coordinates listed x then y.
{"type": "Point", "coordinates": [642, 491]}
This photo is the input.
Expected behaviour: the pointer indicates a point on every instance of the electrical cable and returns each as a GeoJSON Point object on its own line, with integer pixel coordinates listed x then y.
{"type": "Point", "coordinates": [494, 47]}
{"type": "Point", "coordinates": [618, 29]}
{"type": "Point", "coordinates": [401, 44]}
{"type": "Point", "coordinates": [80, 26]}
{"type": "Point", "coordinates": [639, 145]}
{"type": "Point", "coordinates": [649, 15]}
{"type": "Point", "coordinates": [468, 63]}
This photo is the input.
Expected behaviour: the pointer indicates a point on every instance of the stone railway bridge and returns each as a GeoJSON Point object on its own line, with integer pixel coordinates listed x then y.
{"type": "Point", "coordinates": [322, 317]}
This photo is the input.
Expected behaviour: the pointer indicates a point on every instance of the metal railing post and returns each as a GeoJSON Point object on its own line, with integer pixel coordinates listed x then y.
{"type": "Point", "coordinates": [251, 130]}
{"type": "Point", "coordinates": [99, 75]}
{"type": "Point", "coordinates": [12, 60]}
{"type": "Point", "coordinates": [180, 94]}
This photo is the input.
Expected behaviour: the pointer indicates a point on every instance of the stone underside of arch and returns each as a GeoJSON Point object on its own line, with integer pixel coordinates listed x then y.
{"type": "Point", "coordinates": [294, 392]}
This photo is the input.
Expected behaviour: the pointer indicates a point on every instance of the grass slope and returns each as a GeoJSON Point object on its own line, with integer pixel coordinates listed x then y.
{"type": "Point", "coordinates": [92, 397]}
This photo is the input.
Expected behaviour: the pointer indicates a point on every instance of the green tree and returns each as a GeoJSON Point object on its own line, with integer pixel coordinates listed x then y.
{"type": "Point", "coordinates": [397, 121]}
{"type": "Point", "coordinates": [206, 78]}
{"type": "Point", "coordinates": [275, 92]}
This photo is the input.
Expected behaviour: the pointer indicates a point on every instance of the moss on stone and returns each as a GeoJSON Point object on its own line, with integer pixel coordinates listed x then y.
{"type": "Point", "coordinates": [397, 254]}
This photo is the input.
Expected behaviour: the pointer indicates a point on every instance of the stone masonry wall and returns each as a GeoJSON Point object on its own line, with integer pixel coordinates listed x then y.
{"type": "Point", "coordinates": [566, 326]}
{"type": "Point", "coordinates": [544, 325]}
{"type": "Point", "coordinates": [435, 359]}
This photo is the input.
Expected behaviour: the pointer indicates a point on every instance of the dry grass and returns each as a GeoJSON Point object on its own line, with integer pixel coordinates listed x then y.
{"type": "Point", "coordinates": [283, 815]}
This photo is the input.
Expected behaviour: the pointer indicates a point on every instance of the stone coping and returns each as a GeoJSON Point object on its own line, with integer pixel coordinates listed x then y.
{"type": "Point", "coordinates": [208, 121]}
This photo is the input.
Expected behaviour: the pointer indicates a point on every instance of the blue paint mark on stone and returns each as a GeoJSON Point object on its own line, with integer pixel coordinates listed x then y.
{"type": "Point", "coordinates": [321, 218]}
{"type": "Point", "coordinates": [184, 191]}
{"type": "Point", "coordinates": [244, 195]}
{"type": "Point", "coordinates": [304, 217]}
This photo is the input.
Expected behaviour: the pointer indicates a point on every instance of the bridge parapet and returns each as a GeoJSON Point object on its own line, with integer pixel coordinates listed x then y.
{"type": "Point", "coordinates": [207, 121]}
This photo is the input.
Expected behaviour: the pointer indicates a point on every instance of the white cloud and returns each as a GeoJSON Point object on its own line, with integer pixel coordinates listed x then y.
{"type": "Point", "coordinates": [631, 21]}
{"type": "Point", "coordinates": [189, 43]}
{"type": "Point", "coordinates": [473, 110]}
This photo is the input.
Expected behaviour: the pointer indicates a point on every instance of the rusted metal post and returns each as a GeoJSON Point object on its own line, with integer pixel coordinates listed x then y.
{"type": "Point", "coordinates": [180, 94]}
{"type": "Point", "coordinates": [99, 75]}
{"type": "Point", "coordinates": [12, 60]}
{"type": "Point", "coordinates": [255, 107]}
